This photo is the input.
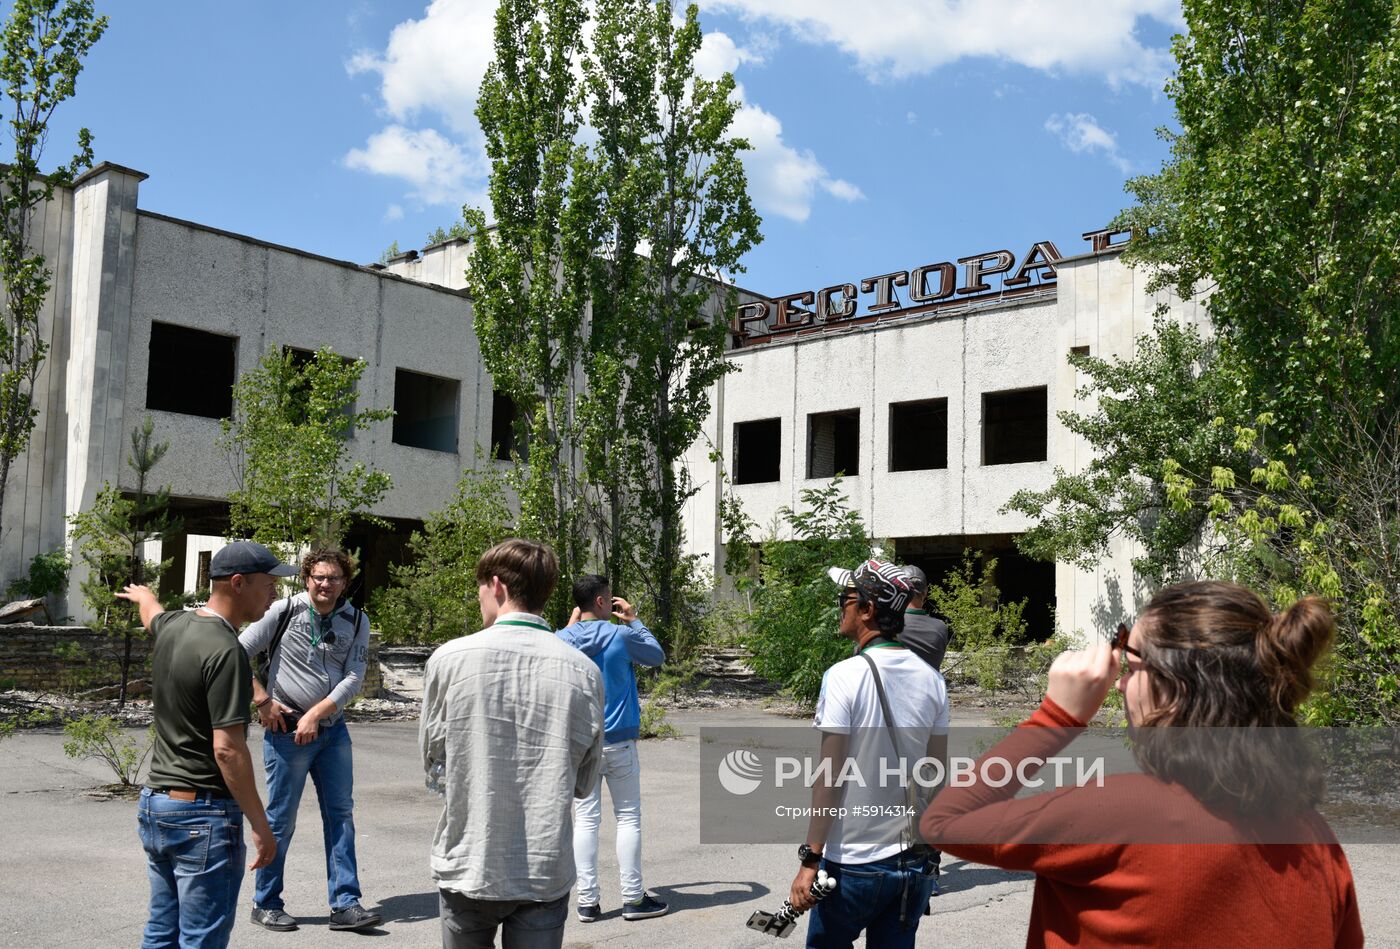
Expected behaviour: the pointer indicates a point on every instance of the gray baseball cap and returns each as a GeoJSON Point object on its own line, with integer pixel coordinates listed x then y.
{"type": "Point", "coordinates": [917, 580]}
{"type": "Point", "coordinates": [246, 557]}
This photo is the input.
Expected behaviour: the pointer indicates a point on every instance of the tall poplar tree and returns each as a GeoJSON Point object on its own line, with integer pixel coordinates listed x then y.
{"type": "Point", "coordinates": [528, 271]}
{"type": "Point", "coordinates": [676, 220]}
{"type": "Point", "coordinates": [43, 48]}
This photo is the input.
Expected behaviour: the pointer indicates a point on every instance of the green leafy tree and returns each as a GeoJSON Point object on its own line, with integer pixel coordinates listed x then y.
{"type": "Point", "coordinates": [1332, 531]}
{"type": "Point", "coordinates": [674, 221]}
{"type": "Point", "coordinates": [458, 231]}
{"type": "Point", "coordinates": [43, 49]}
{"type": "Point", "coordinates": [1282, 197]}
{"type": "Point", "coordinates": [434, 597]}
{"type": "Point", "coordinates": [111, 538]}
{"type": "Point", "coordinates": [528, 274]}
{"type": "Point", "coordinates": [1145, 412]}
{"type": "Point", "coordinates": [289, 444]}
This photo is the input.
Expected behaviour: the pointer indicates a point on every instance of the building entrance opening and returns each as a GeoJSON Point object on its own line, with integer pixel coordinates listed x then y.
{"type": "Point", "coordinates": [1017, 577]}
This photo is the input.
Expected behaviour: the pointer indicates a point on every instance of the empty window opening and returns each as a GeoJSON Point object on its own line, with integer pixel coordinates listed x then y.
{"type": "Point", "coordinates": [301, 391]}
{"type": "Point", "coordinates": [833, 444]}
{"type": "Point", "coordinates": [425, 411]}
{"type": "Point", "coordinates": [919, 435]}
{"type": "Point", "coordinates": [504, 416]}
{"type": "Point", "coordinates": [201, 578]}
{"type": "Point", "coordinates": [1079, 350]}
{"type": "Point", "coordinates": [757, 451]}
{"type": "Point", "coordinates": [1014, 426]}
{"type": "Point", "coordinates": [190, 371]}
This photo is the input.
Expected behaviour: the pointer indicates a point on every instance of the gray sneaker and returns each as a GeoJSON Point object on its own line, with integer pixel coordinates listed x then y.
{"type": "Point", "coordinates": [354, 916]}
{"type": "Point", "coordinates": [644, 908]}
{"type": "Point", "coordinates": [589, 914]}
{"type": "Point", "coordinates": [274, 919]}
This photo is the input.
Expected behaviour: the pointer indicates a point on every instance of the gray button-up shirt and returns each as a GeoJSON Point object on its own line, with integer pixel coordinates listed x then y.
{"type": "Point", "coordinates": [515, 717]}
{"type": "Point", "coordinates": [302, 674]}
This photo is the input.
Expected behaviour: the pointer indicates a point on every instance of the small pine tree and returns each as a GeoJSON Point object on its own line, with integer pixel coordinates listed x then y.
{"type": "Point", "coordinates": [111, 538]}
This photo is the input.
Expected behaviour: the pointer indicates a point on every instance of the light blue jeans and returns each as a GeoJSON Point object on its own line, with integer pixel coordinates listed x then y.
{"type": "Point", "coordinates": [194, 859]}
{"type": "Point", "coordinates": [328, 761]}
{"type": "Point", "coordinates": [622, 770]}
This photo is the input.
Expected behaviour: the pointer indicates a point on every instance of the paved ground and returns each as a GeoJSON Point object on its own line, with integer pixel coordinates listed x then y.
{"type": "Point", "coordinates": [72, 873]}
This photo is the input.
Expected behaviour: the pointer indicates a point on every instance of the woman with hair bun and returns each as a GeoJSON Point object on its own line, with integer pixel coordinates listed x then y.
{"type": "Point", "coordinates": [1217, 842]}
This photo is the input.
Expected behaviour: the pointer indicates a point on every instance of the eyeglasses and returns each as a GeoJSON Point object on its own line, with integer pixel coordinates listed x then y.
{"type": "Point", "coordinates": [328, 581]}
{"type": "Point", "coordinates": [846, 596]}
{"type": "Point", "coordinates": [1120, 641]}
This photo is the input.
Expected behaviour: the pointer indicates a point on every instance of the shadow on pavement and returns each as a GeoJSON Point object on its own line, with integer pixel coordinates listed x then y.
{"type": "Point", "coordinates": [956, 878]}
{"type": "Point", "coordinates": [736, 892]}
{"type": "Point", "coordinates": [409, 908]}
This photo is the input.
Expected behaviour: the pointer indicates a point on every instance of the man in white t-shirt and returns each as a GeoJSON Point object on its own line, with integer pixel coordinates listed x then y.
{"type": "Point", "coordinates": [860, 832]}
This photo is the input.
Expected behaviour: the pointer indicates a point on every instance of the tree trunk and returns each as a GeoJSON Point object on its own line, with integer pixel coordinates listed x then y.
{"type": "Point", "coordinates": [126, 667]}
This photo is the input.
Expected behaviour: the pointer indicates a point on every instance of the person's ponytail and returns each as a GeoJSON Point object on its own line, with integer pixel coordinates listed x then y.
{"type": "Point", "coordinates": [1289, 645]}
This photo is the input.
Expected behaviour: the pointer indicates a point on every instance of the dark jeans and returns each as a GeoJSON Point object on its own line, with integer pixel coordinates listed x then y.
{"type": "Point", "coordinates": [471, 924]}
{"type": "Point", "coordinates": [885, 898]}
{"type": "Point", "coordinates": [194, 859]}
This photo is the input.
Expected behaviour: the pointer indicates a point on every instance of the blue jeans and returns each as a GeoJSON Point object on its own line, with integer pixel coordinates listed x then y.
{"type": "Point", "coordinates": [328, 760]}
{"type": "Point", "coordinates": [194, 858]}
{"type": "Point", "coordinates": [885, 898]}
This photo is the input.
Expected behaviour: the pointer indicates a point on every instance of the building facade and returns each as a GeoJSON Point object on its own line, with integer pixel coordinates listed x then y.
{"type": "Point", "coordinates": [936, 400]}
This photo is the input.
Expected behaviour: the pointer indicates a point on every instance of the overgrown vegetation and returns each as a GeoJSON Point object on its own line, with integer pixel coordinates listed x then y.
{"type": "Point", "coordinates": [433, 597]}
{"type": "Point", "coordinates": [101, 737]}
{"type": "Point", "coordinates": [111, 538]}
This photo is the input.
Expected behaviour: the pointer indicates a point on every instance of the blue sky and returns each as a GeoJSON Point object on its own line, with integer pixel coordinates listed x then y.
{"type": "Point", "coordinates": [888, 133]}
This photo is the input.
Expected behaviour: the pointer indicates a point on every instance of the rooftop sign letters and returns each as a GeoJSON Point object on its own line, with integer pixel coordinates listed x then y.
{"type": "Point", "coordinates": [929, 284]}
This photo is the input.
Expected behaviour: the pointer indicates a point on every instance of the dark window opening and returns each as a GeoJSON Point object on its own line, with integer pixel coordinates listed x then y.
{"type": "Point", "coordinates": [833, 444]}
{"type": "Point", "coordinates": [190, 371]}
{"type": "Point", "coordinates": [757, 451]}
{"type": "Point", "coordinates": [1017, 577]}
{"type": "Point", "coordinates": [301, 389]}
{"type": "Point", "coordinates": [201, 579]}
{"type": "Point", "coordinates": [504, 416]}
{"type": "Point", "coordinates": [425, 411]}
{"type": "Point", "coordinates": [919, 435]}
{"type": "Point", "coordinates": [1079, 350]}
{"type": "Point", "coordinates": [1014, 426]}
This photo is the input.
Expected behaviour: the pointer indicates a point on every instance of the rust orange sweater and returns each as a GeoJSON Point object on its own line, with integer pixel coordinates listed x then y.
{"type": "Point", "coordinates": [1180, 895]}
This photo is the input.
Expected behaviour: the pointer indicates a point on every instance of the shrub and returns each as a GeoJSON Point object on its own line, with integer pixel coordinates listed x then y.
{"type": "Point", "coordinates": [793, 619]}
{"type": "Point", "coordinates": [101, 737]}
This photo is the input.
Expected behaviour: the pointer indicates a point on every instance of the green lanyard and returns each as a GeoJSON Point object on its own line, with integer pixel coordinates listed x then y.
{"type": "Point", "coordinates": [317, 630]}
{"type": "Point", "coordinates": [521, 622]}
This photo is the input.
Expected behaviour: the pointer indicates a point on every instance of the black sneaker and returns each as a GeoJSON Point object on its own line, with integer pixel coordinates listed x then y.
{"type": "Point", "coordinates": [644, 908]}
{"type": "Point", "coordinates": [354, 916]}
{"type": "Point", "coordinates": [589, 914]}
{"type": "Point", "coordinates": [274, 919]}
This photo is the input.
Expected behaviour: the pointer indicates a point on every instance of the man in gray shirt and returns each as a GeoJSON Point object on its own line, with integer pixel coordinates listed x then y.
{"type": "Point", "coordinates": [316, 667]}
{"type": "Point", "coordinates": [511, 733]}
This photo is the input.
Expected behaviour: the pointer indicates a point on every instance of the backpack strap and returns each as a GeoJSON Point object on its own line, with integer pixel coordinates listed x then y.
{"type": "Point", "coordinates": [265, 667]}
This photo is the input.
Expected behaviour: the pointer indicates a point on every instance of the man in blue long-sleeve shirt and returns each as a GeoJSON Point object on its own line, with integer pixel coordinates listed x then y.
{"type": "Point", "coordinates": [614, 648]}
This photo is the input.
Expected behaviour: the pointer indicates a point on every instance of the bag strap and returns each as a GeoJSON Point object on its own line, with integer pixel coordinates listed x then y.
{"type": "Point", "coordinates": [884, 702]}
{"type": "Point", "coordinates": [276, 640]}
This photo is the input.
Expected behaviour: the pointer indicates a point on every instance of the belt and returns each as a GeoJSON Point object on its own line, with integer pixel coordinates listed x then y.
{"type": "Point", "coordinates": [189, 794]}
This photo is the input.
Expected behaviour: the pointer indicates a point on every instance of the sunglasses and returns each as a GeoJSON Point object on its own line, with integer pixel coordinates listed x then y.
{"type": "Point", "coordinates": [1120, 641]}
{"type": "Point", "coordinates": [846, 596]}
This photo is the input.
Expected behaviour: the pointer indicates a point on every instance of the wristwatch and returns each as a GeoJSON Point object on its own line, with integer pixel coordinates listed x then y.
{"type": "Point", "coordinates": [808, 856]}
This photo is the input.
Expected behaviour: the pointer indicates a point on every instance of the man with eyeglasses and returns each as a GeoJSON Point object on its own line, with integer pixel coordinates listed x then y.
{"type": "Point", "coordinates": [318, 646]}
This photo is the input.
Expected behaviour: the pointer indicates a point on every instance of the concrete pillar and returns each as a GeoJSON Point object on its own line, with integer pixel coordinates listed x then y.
{"type": "Point", "coordinates": [99, 332]}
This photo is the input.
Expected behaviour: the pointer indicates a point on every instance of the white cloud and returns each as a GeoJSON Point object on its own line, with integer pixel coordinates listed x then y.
{"type": "Point", "coordinates": [902, 38]}
{"type": "Point", "coordinates": [439, 170]}
{"type": "Point", "coordinates": [782, 179]}
{"type": "Point", "coordinates": [430, 76]}
{"type": "Point", "coordinates": [393, 212]}
{"type": "Point", "coordinates": [1081, 133]}
{"type": "Point", "coordinates": [435, 64]}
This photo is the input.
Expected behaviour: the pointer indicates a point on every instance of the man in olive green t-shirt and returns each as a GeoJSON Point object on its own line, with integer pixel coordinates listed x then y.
{"type": "Point", "coordinates": [201, 780]}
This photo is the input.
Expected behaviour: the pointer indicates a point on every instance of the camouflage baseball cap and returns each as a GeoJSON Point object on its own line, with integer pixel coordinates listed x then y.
{"type": "Point", "coordinates": [881, 583]}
